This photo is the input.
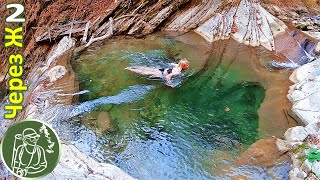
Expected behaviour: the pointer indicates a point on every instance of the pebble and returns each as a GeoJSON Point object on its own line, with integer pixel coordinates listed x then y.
{"type": "Point", "coordinates": [227, 109]}
{"type": "Point", "coordinates": [302, 175]}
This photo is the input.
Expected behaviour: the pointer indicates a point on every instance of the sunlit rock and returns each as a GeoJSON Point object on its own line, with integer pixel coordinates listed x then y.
{"type": "Point", "coordinates": [305, 94]}
{"type": "Point", "coordinates": [296, 134]}
{"type": "Point", "coordinates": [247, 23]}
{"type": "Point", "coordinates": [306, 166]}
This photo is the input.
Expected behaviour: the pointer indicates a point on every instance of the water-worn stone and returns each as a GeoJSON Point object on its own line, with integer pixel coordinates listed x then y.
{"type": "Point", "coordinates": [307, 117]}
{"type": "Point", "coordinates": [296, 134]}
{"type": "Point", "coordinates": [285, 146]}
{"type": "Point", "coordinates": [296, 162]}
{"type": "Point", "coordinates": [263, 153]}
{"type": "Point", "coordinates": [293, 174]}
{"type": "Point", "coordinates": [282, 146]}
{"type": "Point", "coordinates": [55, 73]}
{"type": "Point", "coordinates": [318, 47]}
{"type": "Point", "coordinates": [304, 71]}
{"type": "Point", "coordinates": [312, 103]}
{"type": "Point", "coordinates": [302, 175]}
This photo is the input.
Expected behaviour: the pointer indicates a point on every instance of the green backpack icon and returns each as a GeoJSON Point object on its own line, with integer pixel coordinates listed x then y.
{"type": "Point", "coordinates": [30, 149]}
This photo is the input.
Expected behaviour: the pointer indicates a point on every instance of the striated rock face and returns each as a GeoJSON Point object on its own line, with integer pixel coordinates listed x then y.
{"type": "Point", "coordinates": [248, 22]}
{"type": "Point", "coordinates": [305, 93]}
{"type": "Point", "coordinates": [245, 21]}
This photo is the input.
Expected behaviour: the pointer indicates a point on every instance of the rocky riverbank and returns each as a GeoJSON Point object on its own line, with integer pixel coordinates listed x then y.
{"type": "Point", "coordinates": [303, 142]}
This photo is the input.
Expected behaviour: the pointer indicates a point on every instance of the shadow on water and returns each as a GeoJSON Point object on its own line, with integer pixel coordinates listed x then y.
{"type": "Point", "coordinates": [172, 133]}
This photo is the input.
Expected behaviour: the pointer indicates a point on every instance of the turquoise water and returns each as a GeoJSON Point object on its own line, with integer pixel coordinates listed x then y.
{"type": "Point", "coordinates": [173, 133]}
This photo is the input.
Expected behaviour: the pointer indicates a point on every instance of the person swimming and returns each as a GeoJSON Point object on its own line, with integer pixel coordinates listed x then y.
{"type": "Point", "coordinates": [165, 73]}
{"type": "Point", "coordinates": [174, 70]}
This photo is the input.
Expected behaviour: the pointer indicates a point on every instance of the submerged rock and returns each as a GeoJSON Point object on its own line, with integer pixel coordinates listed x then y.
{"type": "Point", "coordinates": [76, 165]}
{"type": "Point", "coordinates": [262, 153]}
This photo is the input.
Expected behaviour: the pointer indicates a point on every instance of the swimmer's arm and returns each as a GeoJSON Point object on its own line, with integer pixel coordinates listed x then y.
{"type": "Point", "coordinates": [169, 76]}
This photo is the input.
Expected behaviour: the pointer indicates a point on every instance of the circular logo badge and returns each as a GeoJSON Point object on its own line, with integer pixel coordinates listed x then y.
{"type": "Point", "coordinates": [30, 149]}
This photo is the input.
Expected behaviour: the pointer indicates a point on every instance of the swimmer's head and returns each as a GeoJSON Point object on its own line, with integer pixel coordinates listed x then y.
{"type": "Point", "coordinates": [184, 64]}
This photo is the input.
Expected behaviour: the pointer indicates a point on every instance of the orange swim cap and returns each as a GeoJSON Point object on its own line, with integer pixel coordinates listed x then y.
{"type": "Point", "coordinates": [184, 64]}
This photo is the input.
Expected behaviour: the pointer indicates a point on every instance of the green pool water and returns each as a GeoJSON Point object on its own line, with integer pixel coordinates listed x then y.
{"type": "Point", "coordinates": [173, 133]}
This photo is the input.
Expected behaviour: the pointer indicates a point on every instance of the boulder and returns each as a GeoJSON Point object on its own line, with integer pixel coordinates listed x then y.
{"type": "Point", "coordinates": [285, 146]}
{"type": "Point", "coordinates": [296, 134]}
{"type": "Point", "coordinates": [318, 48]}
